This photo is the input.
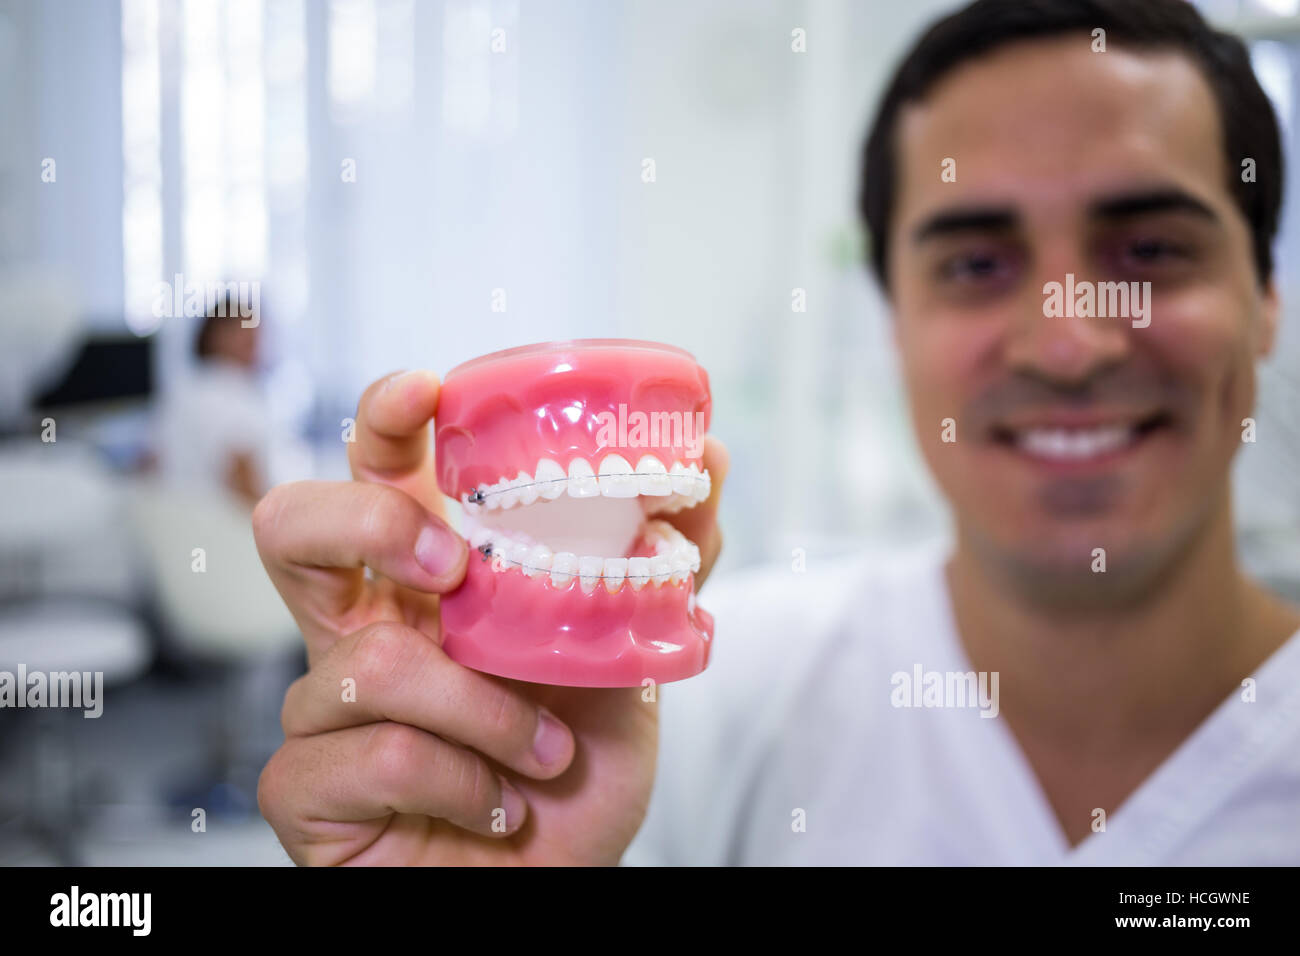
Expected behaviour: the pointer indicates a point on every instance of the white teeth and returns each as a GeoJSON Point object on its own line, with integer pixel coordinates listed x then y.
{"type": "Point", "coordinates": [615, 573]}
{"type": "Point", "coordinates": [689, 485]}
{"type": "Point", "coordinates": [617, 479]}
{"type": "Point", "coordinates": [680, 561]}
{"type": "Point", "coordinates": [517, 554]}
{"type": "Point", "coordinates": [668, 506]}
{"type": "Point", "coordinates": [563, 566]}
{"type": "Point", "coordinates": [660, 569]}
{"type": "Point", "coordinates": [681, 479]}
{"type": "Point", "coordinates": [638, 572]}
{"type": "Point", "coordinates": [664, 536]}
{"type": "Point", "coordinates": [509, 493]}
{"type": "Point", "coordinates": [675, 558]}
{"type": "Point", "coordinates": [582, 480]}
{"type": "Point", "coordinates": [700, 483]}
{"type": "Point", "coordinates": [551, 479]}
{"type": "Point", "coordinates": [672, 490]}
{"type": "Point", "coordinates": [659, 533]}
{"type": "Point", "coordinates": [527, 490]}
{"type": "Point", "coordinates": [1061, 444]}
{"type": "Point", "coordinates": [652, 477]}
{"type": "Point", "coordinates": [539, 560]}
{"type": "Point", "coordinates": [589, 570]}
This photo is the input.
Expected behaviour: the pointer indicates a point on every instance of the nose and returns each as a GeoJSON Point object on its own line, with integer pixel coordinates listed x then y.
{"type": "Point", "coordinates": [1064, 347]}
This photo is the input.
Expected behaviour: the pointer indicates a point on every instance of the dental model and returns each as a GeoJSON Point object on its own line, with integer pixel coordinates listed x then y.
{"type": "Point", "coordinates": [563, 456]}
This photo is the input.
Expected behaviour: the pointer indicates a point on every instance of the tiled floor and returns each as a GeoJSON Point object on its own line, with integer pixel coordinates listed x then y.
{"type": "Point", "coordinates": [244, 844]}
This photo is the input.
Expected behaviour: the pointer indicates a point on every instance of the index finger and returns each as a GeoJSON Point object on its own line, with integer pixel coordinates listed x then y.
{"type": "Point", "coordinates": [391, 443]}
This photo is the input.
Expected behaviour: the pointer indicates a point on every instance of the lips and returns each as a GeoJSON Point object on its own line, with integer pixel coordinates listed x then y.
{"type": "Point", "coordinates": [1066, 441]}
{"type": "Point", "coordinates": [565, 457]}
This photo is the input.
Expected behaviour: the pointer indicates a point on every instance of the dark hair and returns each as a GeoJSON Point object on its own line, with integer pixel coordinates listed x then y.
{"type": "Point", "coordinates": [1249, 126]}
{"type": "Point", "coordinates": [224, 308]}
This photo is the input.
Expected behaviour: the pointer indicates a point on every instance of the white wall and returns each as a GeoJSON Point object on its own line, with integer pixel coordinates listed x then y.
{"type": "Point", "coordinates": [755, 150]}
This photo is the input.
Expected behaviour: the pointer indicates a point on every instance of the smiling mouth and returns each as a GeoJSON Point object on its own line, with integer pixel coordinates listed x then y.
{"type": "Point", "coordinates": [1060, 443]}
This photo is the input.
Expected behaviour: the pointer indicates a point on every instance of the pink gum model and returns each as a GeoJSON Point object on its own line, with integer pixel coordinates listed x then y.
{"type": "Point", "coordinates": [559, 453]}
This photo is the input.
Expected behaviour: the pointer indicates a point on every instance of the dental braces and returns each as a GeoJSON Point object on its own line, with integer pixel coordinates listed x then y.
{"type": "Point", "coordinates": [486, 551]}
{"type": "Point", "coordinates": [478, 495]}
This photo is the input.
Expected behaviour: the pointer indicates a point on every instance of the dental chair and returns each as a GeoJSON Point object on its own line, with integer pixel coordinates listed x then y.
{"type": "Point", "coordinates": [219, 615]}
{"type": "Point", "coordinates": [66, 604]}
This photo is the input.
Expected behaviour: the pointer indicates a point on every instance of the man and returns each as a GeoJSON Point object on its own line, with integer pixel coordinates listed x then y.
{"type": "Point", "coordinates": [1133, 698]}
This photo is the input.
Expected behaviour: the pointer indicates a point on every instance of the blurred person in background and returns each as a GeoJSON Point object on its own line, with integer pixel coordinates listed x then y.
{"type": "Point", "coordinates": [1143, 691]}
{"type": "Point", "coordinates": [213, 429]}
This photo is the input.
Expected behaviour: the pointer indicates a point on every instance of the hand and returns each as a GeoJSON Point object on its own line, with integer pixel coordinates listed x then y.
{"type": "Point", "coordinates": [412, 770]}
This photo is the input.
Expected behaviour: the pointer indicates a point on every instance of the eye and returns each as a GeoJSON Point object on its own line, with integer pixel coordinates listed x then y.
{"type": "Point", "coordinates": [972, 267]}
{"type": "Point", "coordinates": [1151, 252]}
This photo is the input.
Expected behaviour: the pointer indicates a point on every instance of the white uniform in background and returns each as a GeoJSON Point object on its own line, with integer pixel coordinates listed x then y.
{"type": "Point", "coordinates": [214, 413]}
{"type": "Point", "coordinates": [788, 750]}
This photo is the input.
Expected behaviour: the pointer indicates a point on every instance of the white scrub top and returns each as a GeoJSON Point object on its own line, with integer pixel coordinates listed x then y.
{"type": "Point", "coordinates": [214, 413]}
{"type": "Point", "coordinates": [789, 749]}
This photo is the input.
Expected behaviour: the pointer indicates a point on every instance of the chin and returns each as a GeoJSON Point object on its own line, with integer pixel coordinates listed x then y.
{"type": "Point", "coordinates": [1095, 563]}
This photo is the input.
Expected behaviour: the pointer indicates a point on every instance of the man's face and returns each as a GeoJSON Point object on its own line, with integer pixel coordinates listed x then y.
{"type": "Point", "coordinates": [1074, 433]}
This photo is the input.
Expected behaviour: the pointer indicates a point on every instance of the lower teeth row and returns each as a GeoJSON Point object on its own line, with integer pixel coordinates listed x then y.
{"type": "Point", "coordinates": [677, 558]}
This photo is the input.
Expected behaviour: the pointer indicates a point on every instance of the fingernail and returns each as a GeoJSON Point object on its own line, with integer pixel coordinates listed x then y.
{"type": "Point", "coordinates": [514, 805]}
{"type": "Point", "coordinates": [551, 743]}
{"type": "Point", "coordinates": [437, 550]}
{"type": "Point", "coordinates": [401, 379]}
{"type": "Point", "coordinates": [393, 379]}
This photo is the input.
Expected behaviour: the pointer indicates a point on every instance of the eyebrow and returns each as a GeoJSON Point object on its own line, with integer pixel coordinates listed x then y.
{"type": "Point", "coordinates": [1131, 205]}
{"type": "Point", "coordinates": [1125, 206]}
{"type": "Point", "coordinates": [974, 219]}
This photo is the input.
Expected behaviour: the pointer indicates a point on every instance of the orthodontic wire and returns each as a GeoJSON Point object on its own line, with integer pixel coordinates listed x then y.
{"type": "Point", "coordinates": [487, 552]}
{"type": "Point", "coordinates": [478, 496]}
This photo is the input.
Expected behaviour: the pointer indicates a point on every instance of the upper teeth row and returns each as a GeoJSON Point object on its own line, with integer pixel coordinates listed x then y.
{"type": "Point", "coordinates": [674, 559]}
{"type": "Point", "coordinates": [1065, 443]}
{"type": "Point", "coordinates": [616, 478]}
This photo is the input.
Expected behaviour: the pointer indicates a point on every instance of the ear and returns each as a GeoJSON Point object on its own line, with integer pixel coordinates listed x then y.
{"type": "Point", "coordinates": [1270, 310]}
